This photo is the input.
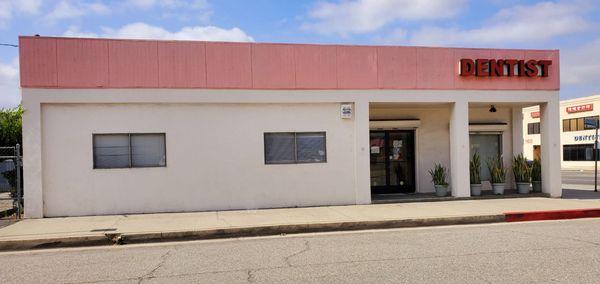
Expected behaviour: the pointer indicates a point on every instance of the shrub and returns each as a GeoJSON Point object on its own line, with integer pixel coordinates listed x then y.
{"type": "Point", "coordinates": [438, 174]}
{"type": "Point", "coordinates": [536, 170]}
{"type": "Point", "coordinates": [475, 169]}
{"type": "Point", "coordinates": [521, 169]}
{"type": "Point", "coordinates": [497, 170]}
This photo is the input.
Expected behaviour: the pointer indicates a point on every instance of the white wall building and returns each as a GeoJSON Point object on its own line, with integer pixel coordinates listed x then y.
{"type": "Point", "coordinates": [136, 126]}
{"type": "Point", "coordinates": [578, 118]}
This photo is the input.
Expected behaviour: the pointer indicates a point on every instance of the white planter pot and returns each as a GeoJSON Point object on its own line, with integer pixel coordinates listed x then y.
{"type": "Point", "coordinates": [441, 190]}
{"type": "Point", "coordinates": [523, 187]}
{"type": "Point", "coordinates": [476, 189]}
{"type": "Point", "coordinates": [498, 188]}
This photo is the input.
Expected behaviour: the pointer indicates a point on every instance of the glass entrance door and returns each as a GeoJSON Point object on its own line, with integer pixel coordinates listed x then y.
{"type": "Point", "coordinates": [392, 161]}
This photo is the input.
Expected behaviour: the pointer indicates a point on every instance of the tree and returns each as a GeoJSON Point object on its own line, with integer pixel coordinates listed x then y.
{"type": "Point", "coordinates": [10, 135]}
{"type": "Point", "coordinates": [11, 126]}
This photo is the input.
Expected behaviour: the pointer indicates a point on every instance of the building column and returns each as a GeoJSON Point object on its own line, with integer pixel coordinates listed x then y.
{"type": "Point", "coordinates": [517, 130]}
{"type": "Point", "coordinates": [361, 150]}
{"type": "Point", "coordinates": [32, 159]}
{"type": "Point", "coordinates": [459, 150]}
{"type": "Point", "coordinates": [550, 147]}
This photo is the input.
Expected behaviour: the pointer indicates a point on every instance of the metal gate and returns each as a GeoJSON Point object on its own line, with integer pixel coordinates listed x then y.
{"type": "Point", "coordinates": [11, 182]}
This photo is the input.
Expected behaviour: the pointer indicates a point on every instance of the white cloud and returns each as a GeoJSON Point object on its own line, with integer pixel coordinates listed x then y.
{"type": "Point", "coordinates": [364, 16]}
{"type": "Point", "coordinates": [146, 31]}
{"type": "Point", "coordinates": [537, 22]}
{"type": "Point", "coordinates": [10, 7]}
{"type": "Point", "coordinates": [74, 9]}
{"type": "Point", "coordinates": [170, 4]}
{"type": "Point", "coordinates": [9, 83]}
{"type": "Point", "coordinates": [581, 65]}
{"type": "Point", "coordinates": [183, 10]}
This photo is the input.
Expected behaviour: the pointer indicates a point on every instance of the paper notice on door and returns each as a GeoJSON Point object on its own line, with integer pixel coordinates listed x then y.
{"type": "Point", "coordinates": [374, 150]}
{"type": "Point", "coordinates": [397, 143]}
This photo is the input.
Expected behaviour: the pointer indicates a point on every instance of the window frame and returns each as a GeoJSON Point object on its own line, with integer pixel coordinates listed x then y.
{"type": "Point", "coordinates": [578, 122]}
{"type": "Point", "coordinates": [265, 134]}
{"type": "Point", "coordinates": [131, 166]}
{"type": "Point", "coordinates": [533, 128]}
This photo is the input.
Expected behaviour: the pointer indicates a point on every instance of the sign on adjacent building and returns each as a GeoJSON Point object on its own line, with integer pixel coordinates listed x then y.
{"type": "Point", "coordinates": [580, 108]}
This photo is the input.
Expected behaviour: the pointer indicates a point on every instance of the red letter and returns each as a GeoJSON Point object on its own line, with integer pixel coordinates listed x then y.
{"type": "Point", "coordinates": [521, 68]}
{"type": "Point", "coordinates": [530, 68]}
{"type": "Point", "coordinates": [467, 67]}
{"type": "Point", "coordinates": [511, 66]}
{"type": "Point", "coordinates": [544, 64]}
{"type": "Point", "coordinates": [482, 67]}
{"type": "Point", "coordinates": [496, 67]}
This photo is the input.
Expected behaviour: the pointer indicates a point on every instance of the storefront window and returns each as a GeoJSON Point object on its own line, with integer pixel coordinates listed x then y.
{"type": "Point", "coordinates": [581, 152]}
{"type": "Point", "coordinates": [487, 146]}
{"type": "Point", "coordinates": [137, 150]}
{"type": "Point", "coordinates": [292, 147]}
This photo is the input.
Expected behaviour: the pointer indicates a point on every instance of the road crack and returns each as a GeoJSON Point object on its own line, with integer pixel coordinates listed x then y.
{"type": "Point", "coordinates": [303, 250]}
{"type": "Point", "coordinates": [150, 274]}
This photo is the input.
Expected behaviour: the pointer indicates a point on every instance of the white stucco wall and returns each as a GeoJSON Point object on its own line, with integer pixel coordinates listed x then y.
{"type": "Point", "coordinates": [58, 126]}
{"type": "Point", "coordinates": [215, 158]}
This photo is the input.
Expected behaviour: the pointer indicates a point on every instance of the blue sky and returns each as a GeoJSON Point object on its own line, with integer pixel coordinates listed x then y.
{"type": "Point", "coordinates": [571, 26]}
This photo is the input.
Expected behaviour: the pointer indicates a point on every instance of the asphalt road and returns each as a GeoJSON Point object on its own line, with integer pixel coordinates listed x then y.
{"type": "Point", "coordinates": [552, 251]}
{"type": "Point", "coordinates": [579, 177]}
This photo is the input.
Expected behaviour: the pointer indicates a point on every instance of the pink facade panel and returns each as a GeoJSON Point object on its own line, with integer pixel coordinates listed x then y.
{"type": "Point", "coordinates": [273, 66]}
{"type": "Point", "coordinates": [182, 64]}
{"type": "Point", "coordinates": [104, 63]}
{"type": "Point", "coordinates": [315, 66]}
{"type": "Point", "coordinates": [397, 67]}
{"type": "Point", "coordinates": [357, 67]}
{"type": "Point", "coordinates": [228, 65]}
{"type": "Point", "coordinates": [133, 64]}
{"type": "Point", "coordinates": [37, 61]}
{"type": "Point", "coordinates": [435, 68]}
{"type": "Point", "coordinates": [82, 63]}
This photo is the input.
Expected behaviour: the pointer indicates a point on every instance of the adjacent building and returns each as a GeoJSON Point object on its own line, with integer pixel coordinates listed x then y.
{"type": "Point", "coordinates": [579, 118]}
{"type": "Point", "coordinates": [142, 126]}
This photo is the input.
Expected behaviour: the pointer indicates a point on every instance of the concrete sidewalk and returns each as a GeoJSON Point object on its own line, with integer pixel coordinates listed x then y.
{"type": "Point", "coordinates": [96, 230]}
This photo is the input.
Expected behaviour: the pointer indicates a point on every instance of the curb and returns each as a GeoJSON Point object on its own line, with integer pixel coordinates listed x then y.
{"type": "Point", "coordinates": [269, 230]}
{"type": "Point", "coordinates": [552, 215]}
{"type": "Point", "coordinates": [146, 237]}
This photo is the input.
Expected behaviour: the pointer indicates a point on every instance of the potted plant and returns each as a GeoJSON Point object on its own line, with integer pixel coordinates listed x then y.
{"type": "Point", "coordinates": [497, 173]}
{"type": "Point", "coordinates": [475, 173]}
{"type": "Point", "coordinates": [522, 173]}
{"type": "Point", "coordinates": [438, 177]}
{"type": "Point", "coordinates": [536, 175]}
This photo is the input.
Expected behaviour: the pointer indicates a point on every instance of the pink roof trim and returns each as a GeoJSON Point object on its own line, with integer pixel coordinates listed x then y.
{"type": "Point", "coordinates": [52, 62]}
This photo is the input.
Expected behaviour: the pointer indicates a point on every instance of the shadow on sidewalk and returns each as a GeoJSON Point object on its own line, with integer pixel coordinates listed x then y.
{"type": "Point", "coordinates": [580, 194]}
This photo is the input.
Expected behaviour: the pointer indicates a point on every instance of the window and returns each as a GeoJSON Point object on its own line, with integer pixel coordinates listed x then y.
{"type": "Point", "coordinates": [295, 147]}
{"type": "Point", "coordinates": [581, 123]}
{"type": "Point", "coordinates": [533, 128]}
{"type": "Point", "coordinates": [129, 150]}
{"type": "Point", "coordinates": [581, 152]}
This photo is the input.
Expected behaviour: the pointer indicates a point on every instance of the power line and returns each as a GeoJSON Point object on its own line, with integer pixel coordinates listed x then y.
{"type": "Point", "coordinates": [8, 44]}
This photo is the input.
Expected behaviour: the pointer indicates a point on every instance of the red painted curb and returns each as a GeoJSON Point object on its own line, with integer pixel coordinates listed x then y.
{"type": "Point", "coordinates": [551, 215]}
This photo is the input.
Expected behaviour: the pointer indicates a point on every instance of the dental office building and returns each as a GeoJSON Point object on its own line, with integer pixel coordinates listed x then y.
{"type": "Point", "coordinates": [578, 118]}
{"type": "Point", "coordinates": [142, 126]}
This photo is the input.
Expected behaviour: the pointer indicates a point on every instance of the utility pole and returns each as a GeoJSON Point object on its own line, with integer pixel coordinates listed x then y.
{"type": "Point", "coordinates": [597, 124]}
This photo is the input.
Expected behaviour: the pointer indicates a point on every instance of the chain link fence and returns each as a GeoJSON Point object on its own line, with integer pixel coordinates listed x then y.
{"type": "Point", "coordinates": [11, 182]}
